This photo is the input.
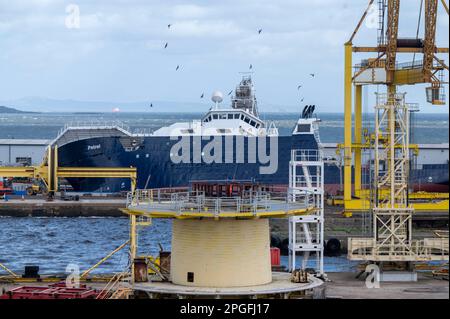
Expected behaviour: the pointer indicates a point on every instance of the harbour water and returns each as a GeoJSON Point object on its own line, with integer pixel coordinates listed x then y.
{"type": "Point", "coordinates": [428, 128]}
{"type": "Point", "coordinates": [55, 243]}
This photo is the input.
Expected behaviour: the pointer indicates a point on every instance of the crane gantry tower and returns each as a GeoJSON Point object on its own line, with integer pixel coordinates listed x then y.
{"type": "Point", "coordinates": [389, 197]}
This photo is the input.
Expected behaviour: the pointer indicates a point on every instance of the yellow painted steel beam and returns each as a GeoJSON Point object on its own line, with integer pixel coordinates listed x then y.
{"type": "Point", "coordinates": [196, 215]}
{"type": "Point", "coordinates": [444, 4]}
{"type": "Point", "coordinates": [348, 85]}
{"type": "Point", "coordinates": [409, 77]}
{"type": "Point", "coordinates": [413, 196]}
{"type": "Point", "coordinates": [363, 205]}
{"type": "Point", "coordinates": [382, 49]}
{"type": "Point", "coordinates": [87, 272]}
{"type": "Point", "coordinates": [358, 138]}
{"type": "Point", "coordinates": [96, 172]}
{"type": "Point", "coordinates": [29, 172]}
{"type": "Point", "coordinates": [12, 273]}
{"type": "Point", "coordinates": [133, 245]}
{"type": "Point", "coordinates": [413, 147]}
{"type": "Point", "coordinates": [49, 172]}
{"type": "Point", "coordinates": [358, 26]}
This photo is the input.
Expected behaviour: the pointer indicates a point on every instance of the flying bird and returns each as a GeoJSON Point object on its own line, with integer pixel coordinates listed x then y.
{"type": "Point", "coordinates": [168, 26]}
{"type": "Point", "coordinates": [251, 66]}
{"type": "Point", "coordinates": [178, 67]}
{"type": "Point", "coordinates": [231, 92]}
{"type": "Point", "coordinates": [260, 31]}
{"type": "Point", "coordinates": [202, 96]}
{"type": "Point", "coordinates": [302, 99]}
{"type": "Point", "coordinates": [166, 45]}
{"type": "Point", "coordinates": [312, 74]}
{"type": "Point", "coordinates": [151, 104]}
{"type": "Point", "coordinates": [299, 87]}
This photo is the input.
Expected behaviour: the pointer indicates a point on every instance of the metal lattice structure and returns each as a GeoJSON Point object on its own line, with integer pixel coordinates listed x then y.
{"type": "Point", "coordinates": [306, 233]}
{"type": "Point", "coordinates": [386, 66]}
{"type": "Point", "coordinates": [392, 214]}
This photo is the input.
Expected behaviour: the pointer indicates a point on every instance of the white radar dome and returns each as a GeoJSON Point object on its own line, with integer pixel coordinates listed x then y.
{"type": "Point", "coordinates": [217, 97]}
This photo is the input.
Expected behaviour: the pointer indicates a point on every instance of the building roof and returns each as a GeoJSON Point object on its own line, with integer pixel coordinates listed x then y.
{"type": "Point", "coordinates": [24, 142]}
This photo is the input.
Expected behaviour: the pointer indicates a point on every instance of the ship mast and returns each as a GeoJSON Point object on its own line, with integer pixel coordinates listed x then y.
{"type": "Point", "coordinates": [244, 97]}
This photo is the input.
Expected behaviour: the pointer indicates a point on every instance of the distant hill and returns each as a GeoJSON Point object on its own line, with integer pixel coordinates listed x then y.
{"type": "Point", "coordinates": [4, 109]}
{"type": "Point", "coordinates": [70, 106]}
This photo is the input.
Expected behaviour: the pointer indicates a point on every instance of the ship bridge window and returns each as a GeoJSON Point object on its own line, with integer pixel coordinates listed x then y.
{"type": "Point", "coordinates": [247, 120]}
{"type": "Point", "coordinates": [242, 117]}
{"type": "Point", "coordinates": [230, 116]}
{"type": "Point", "coordinates": [215, 116]}
{"type": "Point", "coordinates": [304, 128]}
{"type": "Point", "coordinates": [253, 123]}
{"type": "Point", "coordinates": [236, 116]}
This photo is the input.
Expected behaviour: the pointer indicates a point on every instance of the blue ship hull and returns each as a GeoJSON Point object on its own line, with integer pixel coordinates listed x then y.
{"type": "Point", "coordinates": [156, 169]}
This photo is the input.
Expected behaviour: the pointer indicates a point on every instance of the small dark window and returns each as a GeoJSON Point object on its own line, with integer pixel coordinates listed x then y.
{"type": "Point", "coordinates": [190, 277]}
{"type": "Point", "coordinates": [24, 161]}
{"type": "Point", "coordinates": [303, 128]}
{"type": "Point", "coordinates": [236, 116]}
{"type": "Point", "coordinates": [247, 120]}
{"type": "Point", "coordinates": [215, 116]}
{"type": "Point", "coordinates": [252, 123]}
{"type": "Point", "coordinates": [230, 116]}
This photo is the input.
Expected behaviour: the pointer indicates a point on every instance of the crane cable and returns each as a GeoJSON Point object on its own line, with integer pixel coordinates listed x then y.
{"type": "Point", "coordinates": [418, 29]}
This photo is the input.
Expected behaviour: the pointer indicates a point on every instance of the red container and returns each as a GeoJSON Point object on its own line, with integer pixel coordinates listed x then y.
{"type": "Point", "coordinates": [51, 292]}
{"type": "Point", "coordinates": [275, 256]}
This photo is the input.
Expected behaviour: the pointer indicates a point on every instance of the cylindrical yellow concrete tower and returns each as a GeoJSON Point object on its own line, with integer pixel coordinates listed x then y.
{"type": "Point", "coordinates": [221, 253]}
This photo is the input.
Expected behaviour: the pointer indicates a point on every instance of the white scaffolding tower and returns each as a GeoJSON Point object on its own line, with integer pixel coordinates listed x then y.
{"type": "Point", "coordinates": [306, 233]}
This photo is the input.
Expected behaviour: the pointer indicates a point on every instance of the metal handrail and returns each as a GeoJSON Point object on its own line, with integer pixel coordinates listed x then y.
{"type": "Point", "coordinates": [307, 155]}
{"type": "Point", "coordinates": [180, 202]}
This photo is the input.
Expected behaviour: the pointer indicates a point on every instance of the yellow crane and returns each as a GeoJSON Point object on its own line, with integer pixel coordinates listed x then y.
{"type": "Point", "coordinates": [389, 198]}
{"type": "Point", "coordinates": [49, 172]}
{"type": "Point", "coordinates": [384, 69]}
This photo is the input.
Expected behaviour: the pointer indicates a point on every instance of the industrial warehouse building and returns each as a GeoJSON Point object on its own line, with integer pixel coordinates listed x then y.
{"type": "Point", "coordinates": [22, 152]}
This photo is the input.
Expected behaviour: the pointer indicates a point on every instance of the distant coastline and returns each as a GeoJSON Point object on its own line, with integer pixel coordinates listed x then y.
{"type": "Point", "coordinates": [9, 110]}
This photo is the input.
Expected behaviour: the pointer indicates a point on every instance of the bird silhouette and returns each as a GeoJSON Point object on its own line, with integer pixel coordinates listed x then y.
{"type": "Point", "coordinates": [251, 66]}
{"type": "Point", "coordinates": [312, 74]}
{"type": "Point", "coordinates": [166, 45]}
{"type": "Point", "coordinates": [202, 96]}
{"type": "Point", "coordinates": [151, 104]}
{"type": "Point", "coordinates": [299, 87]}
{"type": "Point", "coordinates": [178, 67]}
{"type": "Point", "coordinates": [302, 99]}
{"type": "Point", "coordinates": [260, 31]}
{"type": "Point", "coordinates": [168, 26]}
{"type": "Point", "coordinates": [231, 92]}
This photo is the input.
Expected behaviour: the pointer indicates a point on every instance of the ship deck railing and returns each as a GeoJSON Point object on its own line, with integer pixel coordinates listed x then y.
{"type": "Point", "coordinates": [94, 125]}
{"type": "Point", "coordinates": [156, 201]}
{"type": "Point", "coordinates": [307, 155]}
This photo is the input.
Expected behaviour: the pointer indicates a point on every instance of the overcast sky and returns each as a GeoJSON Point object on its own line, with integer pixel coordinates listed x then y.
{"type": "Point", "coordinates": [118, 52]}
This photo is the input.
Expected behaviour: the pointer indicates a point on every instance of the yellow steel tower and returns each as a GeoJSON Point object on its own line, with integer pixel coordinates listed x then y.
{"type": "Point", "coordinates": [392, 211]}
{"type": "Point", "coordinates": [384, 69]}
